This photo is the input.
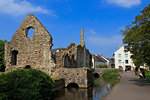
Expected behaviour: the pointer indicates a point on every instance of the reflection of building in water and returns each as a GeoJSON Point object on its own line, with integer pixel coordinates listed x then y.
{"type": "Point", "coordinates": [75, 94]}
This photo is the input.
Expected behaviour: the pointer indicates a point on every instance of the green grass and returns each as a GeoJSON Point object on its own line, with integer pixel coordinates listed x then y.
{"type": "Point", "coordinates": [111, 76]}
{"type": "Point", "coordinates": [2, 73]}
{"type": "Point", "coordinates": [147, 74]}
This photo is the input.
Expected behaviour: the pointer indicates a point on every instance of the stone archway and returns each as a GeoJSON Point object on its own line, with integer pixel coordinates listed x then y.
{"type": "Point", "coordinates": [72, 85]}
{"type": "Point", "coordinates": [96, 75]}
{"type": "Point", "coordinates": [28, 67]}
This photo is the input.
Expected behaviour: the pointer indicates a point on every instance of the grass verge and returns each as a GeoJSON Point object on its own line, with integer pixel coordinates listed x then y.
{"type": "Point", "coordinates": [111, 76]}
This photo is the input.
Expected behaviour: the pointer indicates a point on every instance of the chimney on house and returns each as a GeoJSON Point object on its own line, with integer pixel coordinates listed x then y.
{"type": "Point", "coordinates": [82, 38]}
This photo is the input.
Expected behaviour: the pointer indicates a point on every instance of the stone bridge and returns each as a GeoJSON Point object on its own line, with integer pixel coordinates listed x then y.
{"type": "Point", "coordinates": [79, 76]}
{"type": "Point", "coordinates": [100, 71]}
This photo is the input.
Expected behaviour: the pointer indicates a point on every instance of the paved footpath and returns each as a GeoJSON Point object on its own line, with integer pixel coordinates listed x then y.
{"type": "Point", "coordinates": [129, 88]}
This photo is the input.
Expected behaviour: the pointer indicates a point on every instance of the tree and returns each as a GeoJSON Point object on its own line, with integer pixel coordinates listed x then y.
{"type": "Point", "coordinates": [137, 38]}
{"type": "Point", "coordinates": [26, 84]}
{"type": "Point", "coordinates": [2, 64]}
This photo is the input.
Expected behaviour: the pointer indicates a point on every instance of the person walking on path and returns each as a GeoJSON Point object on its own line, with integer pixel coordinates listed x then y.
{"type": "Point", "coordinates": [129, 88]}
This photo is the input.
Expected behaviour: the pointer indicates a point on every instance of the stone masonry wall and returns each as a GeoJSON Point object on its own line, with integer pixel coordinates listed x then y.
{"type": "Point", "coordinates": [73, 57]}
{"type": "Point", "coordinates": [33, 52]}
{"type": "Point", "coordinates": [80, 76]}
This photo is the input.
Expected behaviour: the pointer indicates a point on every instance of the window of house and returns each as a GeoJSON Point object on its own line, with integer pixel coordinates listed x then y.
{"type": "Point", "coordinates": [126, 61]}
{"type": "Point", "coordinates": [126, 55]}
{"type": "Point", "coordinates": [119, 61]}
{"type": "Point", "coordinates": [119, 55]}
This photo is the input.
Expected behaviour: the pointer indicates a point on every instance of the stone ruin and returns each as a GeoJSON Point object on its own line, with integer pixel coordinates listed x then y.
{"type": "Point", "coordinates": [74, 56]}
{"type": "Point", "coordinates": [23, 52]}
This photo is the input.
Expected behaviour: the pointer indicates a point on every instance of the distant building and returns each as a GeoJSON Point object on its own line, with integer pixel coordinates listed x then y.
{"type": "Point", "coordinates": [100, 59]}
{"type": "Point", "coordinates": [123, 59]}
{"type": "Point", "coordinates": [57, 50]}
{"type": "Point", "coordinates": [108, 61]}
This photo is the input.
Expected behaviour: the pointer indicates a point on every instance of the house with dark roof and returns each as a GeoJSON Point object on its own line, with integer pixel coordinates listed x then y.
{"type": "Point", "coordinates": [98, 60]}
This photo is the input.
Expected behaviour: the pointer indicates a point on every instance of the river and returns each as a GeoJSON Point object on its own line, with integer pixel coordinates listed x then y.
{"type": "Point", "coordinates": [92, 93]}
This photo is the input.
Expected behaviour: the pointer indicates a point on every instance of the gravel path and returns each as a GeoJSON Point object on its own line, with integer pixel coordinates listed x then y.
{"type": "Point", "coordinates": [129, 88]}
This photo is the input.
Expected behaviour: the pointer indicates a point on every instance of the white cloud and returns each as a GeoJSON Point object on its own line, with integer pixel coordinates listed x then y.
{"type": "Point", "coordinates": [125, 3]}
{"type": "Point", "coordinates": [20, 7]}
{"type": "Point", "coordinates": [104, 41]}
{"type": "Point", "coordinates": [92, 31]}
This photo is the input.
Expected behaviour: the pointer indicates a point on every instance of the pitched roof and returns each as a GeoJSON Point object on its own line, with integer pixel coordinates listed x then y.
{"type": "Point", "coordinates": [98, 58]}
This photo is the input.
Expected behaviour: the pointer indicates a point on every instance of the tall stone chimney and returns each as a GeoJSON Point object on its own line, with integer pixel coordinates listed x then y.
{"type": "Point", "coordinates": [82, 38]}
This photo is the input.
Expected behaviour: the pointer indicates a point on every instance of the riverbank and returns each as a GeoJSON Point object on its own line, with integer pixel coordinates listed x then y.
{"type": "Point", "coordinates": [111, 76]}
{"type": "Point", "coordinates": [129, 88]}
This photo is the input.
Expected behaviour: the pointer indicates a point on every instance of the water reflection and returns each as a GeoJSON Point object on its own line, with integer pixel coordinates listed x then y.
{"type": "Point", "coordinates": [92, 93]}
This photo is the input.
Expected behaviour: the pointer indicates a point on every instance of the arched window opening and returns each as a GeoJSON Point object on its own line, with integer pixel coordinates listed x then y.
{"type": "Point", "coordinates": [14, 54]}
{"type": "Point", "coordinates": [30, 32]}
{"type": "Point", "coordinates": [67, 61]}
{"type": "Point", "coordinates": [28, 67]}
{"type": "Point", "coordinates": [96, 75]}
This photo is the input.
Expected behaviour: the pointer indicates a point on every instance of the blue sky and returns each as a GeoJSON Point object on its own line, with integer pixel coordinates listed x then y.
{"type": "Point", "coordinates": [101, 20]}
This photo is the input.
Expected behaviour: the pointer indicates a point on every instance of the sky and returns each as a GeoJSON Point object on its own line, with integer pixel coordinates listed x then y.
{"type": "Point", "coordinates": [102, 20]}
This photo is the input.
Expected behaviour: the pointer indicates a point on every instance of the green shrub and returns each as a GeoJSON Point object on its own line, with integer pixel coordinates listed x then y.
{"type": "Point", "coordinates": [147, 74]}
{"type": "Point", "coordinates": [102, 66]}
{"type": "Point", "coordinates": [71, 45]}
{"type": "Point", "coordinates": [27, 84]}
{"type": "Point", "coordinates": [2, 64]}
{"type": "Point", "coordinates": [111, 76]}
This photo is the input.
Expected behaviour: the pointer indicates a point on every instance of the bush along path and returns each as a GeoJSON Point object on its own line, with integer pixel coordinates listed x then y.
{"type": "Point", "coordinates": [112, 77]}
{"type": "Point", "coordinates": [27, 84]}
{"type": "Point", "coordinates": [147, 74]}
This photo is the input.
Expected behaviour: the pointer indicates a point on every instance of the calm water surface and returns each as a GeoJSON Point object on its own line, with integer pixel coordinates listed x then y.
{"type": "Point", "coordinates": [92, 93]}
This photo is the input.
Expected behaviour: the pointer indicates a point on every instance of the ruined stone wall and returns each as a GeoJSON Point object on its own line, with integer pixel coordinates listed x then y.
{"type": "Point", "coordinates": [73, 57]}
{"type": "Point", "coordinates": [32, 52]}
{"type": "Point", "coordinates": [66, 58]}
{"type": "Point", "coordinates": [80, 76]}
{"type": "Point", "coordinates": [83, 56]}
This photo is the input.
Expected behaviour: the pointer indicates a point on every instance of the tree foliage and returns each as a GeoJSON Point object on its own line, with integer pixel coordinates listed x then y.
{"type": "Point", "coordinates": [2, 64]}
{"type": "Point", "coordinates": [27, 84]}
{"type": "Point", "coordinates": [137, 38]}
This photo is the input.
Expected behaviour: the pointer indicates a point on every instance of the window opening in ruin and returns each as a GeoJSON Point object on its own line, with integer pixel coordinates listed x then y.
{"type": "Point", "coordinates": [28, 67]}
{"type": "Point", "coordinates": [14, 57]}
{"type": "Point", "coordinates": [30, 32]}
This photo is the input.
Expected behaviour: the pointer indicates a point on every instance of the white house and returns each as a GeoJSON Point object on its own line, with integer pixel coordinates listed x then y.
{"type": "Point", "coordinates": [100, 59]}
{"type": "Point", "coordinates": [123, 59]}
